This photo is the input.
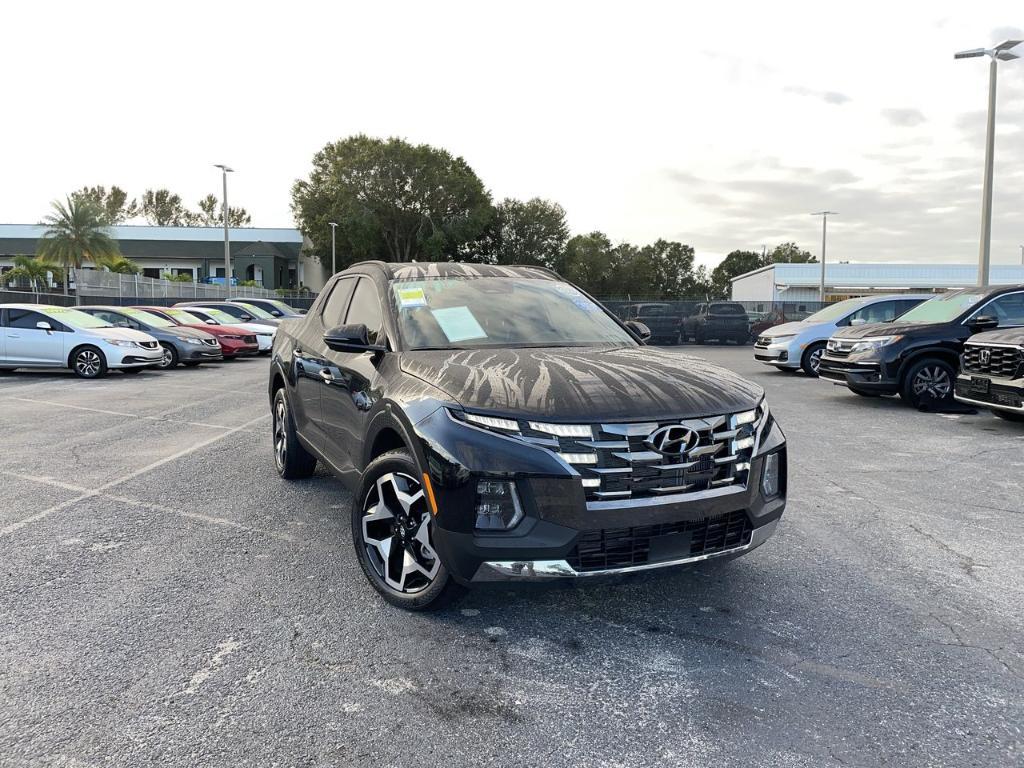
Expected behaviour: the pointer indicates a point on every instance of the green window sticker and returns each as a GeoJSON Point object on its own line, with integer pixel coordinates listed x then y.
{"type": "Point", "coordinates": [410, 297]}
{"type": "Point", "coordinates": [458, 324]}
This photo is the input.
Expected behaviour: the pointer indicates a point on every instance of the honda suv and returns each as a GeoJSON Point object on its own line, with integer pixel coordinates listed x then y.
{"type": "Point", "coordinates": [496, 423]}
{"type": "Point", "coordinates": [917, 355]}
{"type": "Point", "coordinates": [992, 372]}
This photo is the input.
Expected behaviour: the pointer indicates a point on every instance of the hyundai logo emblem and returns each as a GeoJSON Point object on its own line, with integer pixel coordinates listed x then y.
{"type": "Point", "coordinates": [672, 440]}
{"type": "Point", "coordinates": [985, 356]}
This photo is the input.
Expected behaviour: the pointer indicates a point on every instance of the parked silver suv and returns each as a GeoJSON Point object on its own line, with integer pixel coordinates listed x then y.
{"type": "Point", "coordinates": [800, 344]}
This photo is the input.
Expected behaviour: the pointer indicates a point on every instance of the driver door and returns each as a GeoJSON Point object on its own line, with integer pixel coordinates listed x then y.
{"type": "Point", "coordinates": [348, 393]}
{"type": "Point", "coordinates": [28, 345]}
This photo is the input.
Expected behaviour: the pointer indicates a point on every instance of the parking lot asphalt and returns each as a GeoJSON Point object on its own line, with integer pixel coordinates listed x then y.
{"type": "Point", "coordinates": [166, 599]}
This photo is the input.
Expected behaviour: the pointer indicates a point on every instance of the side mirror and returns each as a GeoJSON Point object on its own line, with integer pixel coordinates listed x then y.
{"type": "Point", "coordinates": [858, 321]}
{"type": "Point", "coordinates": [245, 318]}
{"type": "Point", "coordinates": [639, 330]}
{"type": "Point", "coordinates": [303, 311]}
{"type": "Point", "coordinates": [983, 323]}
{"type": "Point", "coordinates": [276, 312]}
{"type": "Point", "coordinates": [42, 325]}
{"type": "Point", "coordinates": [351, 338]}
{"type": "Point", "coordinates": [211, 321]}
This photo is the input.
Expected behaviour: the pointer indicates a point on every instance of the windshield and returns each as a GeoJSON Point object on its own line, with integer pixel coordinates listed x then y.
{"type": "Point", "coordinates": [145, 317]}
{"type": "Point", "coordinates": [77, 319]}
{"type": "Point", "coordinates": [942, 309]}
{"type": "Point", "coordinates": [835, 311]}
{"type": "Point", "coordinates": [255, 311]}
{"type": "Point", "coordinates": [185, 318]}
{"type": "Point", "coordinates": [446, 313]}
{"type": "Point", "coordinates": [220, 316]}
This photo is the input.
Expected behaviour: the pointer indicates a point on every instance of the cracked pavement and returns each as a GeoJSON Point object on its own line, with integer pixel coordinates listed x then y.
{"type": "Point", "coordinates": [165, 599]}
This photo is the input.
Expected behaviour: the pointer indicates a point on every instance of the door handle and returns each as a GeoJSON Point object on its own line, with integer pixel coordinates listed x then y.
{"type": "Point", "coordinates": [327, 376]}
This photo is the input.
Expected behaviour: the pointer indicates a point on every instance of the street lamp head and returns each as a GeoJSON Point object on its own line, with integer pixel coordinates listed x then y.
{"type": "Point", "coordinates": [225, 168]}
{"type": "Point", "coordinates": [973, 53]}
{"type": "Point", "coordinates": [825, 213]}
{"type": "Point", "coordinates": [1002, 51]}
{"type": "Point", "coordinates": [332, 224]}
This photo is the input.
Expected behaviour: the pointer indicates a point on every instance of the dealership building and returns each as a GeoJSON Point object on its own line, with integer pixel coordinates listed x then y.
{"type": "Point", "coordinates": [274, 258]}
{"type": "Point", "coordinates": [800, 282]}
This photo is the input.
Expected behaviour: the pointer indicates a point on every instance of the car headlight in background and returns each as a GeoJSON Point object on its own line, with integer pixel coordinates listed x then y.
{"type": "Point", "coordinates": [777, 339]}
{"type": "Point", "coordinates": [189, 340]}
{"type": "Point", "coordinates": [876, 342]}
{"type": "Point", "coordinates": [121, 342]}
{"type": "Point", "coordinates": [497, 505]}
{"type": "Point", "coordinates": [770, 483]}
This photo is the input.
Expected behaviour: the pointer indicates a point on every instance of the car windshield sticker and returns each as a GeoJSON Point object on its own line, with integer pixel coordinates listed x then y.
{"type": "Point", "coordinates": [410, 297]}
{"type": "Point", "coordinates": [458, 324]}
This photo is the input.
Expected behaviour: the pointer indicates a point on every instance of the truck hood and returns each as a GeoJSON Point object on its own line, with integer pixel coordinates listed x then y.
{"type": "Point", "coordinates": [885, 329]}
{"type": "Point", "coordinates": [584, 384]}
{"type": "Point", "coordinates": [1011, 336]}
{"type": "Point", "coordinates": [786, 329]}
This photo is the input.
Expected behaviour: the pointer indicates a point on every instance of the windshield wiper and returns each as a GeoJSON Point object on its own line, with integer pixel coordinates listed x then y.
{"type": "Point", "coordinates": [436, 349]}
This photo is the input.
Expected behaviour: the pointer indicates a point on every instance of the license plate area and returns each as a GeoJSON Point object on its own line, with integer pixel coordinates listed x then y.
{"type": "Point", "coordinates": [980, 384]}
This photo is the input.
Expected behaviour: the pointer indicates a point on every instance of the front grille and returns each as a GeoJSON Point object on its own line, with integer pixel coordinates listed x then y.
{"type": "Point", "coordinates": [616, 461]}
{"type": "Point", "coordinates": [840, 347]}
{"type": "Point", "coordinates": [1001, 361]}
{"type": "Point", "coordinates": [763, 342]}
{"type": "Point", "coordinates": [249, 339]}
{"type": "Point", "coordinates": [148, 344]}
{"type": "Point", "coordinates": [625, 547]}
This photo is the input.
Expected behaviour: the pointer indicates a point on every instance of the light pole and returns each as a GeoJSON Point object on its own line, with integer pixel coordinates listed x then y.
{"type": "Point", "coordinates": [334, 228]}
{"type": "Point", "coordinates": [824, 227]}
{"type": "Point", "coordinates": [225, 170]}
{"type": "Point", "coordinates": [1000, 53]}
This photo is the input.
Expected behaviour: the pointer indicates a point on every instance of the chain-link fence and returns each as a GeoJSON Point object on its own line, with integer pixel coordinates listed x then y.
{"type": "Point", "coordinates": [94, 282]}
{"type": "Point", "coordinates": [31, 297]}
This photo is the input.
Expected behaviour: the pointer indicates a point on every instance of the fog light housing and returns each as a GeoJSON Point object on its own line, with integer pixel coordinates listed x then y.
{"type": "Point", "coordinates": [497, 505]}
{"type": "Point", "coordinates": [770, 481]}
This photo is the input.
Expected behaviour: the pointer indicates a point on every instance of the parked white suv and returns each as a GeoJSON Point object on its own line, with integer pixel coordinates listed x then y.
{"type": "Point", "coordinates": [44, 336]}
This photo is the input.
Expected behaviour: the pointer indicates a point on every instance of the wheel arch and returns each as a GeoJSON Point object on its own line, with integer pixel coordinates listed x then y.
{"type": "Point", "coordinates": [945, 355]}
{"type": "Point", "coordinates": [387, 431]}
{"type": "Point", "coordinates": [78, 347]}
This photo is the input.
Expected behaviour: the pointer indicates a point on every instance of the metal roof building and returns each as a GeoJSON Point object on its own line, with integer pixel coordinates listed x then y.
{"type": "Point", "coordinates": [799, 282]}
{"type": "Point", "coordinates": [273, 257]}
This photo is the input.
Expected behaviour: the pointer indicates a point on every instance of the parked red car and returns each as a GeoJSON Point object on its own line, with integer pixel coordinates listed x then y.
{"type": "Point", "coordinates": [234, 342]}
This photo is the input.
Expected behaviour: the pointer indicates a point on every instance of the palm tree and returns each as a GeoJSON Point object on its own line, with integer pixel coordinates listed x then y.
{"type": "Point", "coordinates": [26, 268]}
{"type": "Point", "coordinates": [122, 265]}
{"type": "Point", "coordinates": [74, 235]}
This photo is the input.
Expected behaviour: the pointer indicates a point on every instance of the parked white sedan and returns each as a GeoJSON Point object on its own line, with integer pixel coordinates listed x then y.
{"type": "Point", "coordinates": [44, 336]}
{"type": "Point", "coordinates": [211, 316]}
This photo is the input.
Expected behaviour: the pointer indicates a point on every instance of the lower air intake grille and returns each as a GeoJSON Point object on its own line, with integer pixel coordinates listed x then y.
{"type": "Point", "coordinates": [625, 547]}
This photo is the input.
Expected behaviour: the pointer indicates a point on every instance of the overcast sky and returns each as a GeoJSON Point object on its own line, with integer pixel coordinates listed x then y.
{"type": "Point", "coordinates": [720, 125]}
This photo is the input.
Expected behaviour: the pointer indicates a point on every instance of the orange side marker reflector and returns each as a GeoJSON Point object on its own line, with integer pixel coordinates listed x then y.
{"type": "Point", "coordinates": [430, 493]}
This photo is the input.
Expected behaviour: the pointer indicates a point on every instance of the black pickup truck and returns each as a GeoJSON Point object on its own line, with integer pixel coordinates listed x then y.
{"type": "Point", "coordinates": [719, 320]}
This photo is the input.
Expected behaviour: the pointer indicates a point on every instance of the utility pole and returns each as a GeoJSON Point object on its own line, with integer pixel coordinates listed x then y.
{"type": "Point", "coordinates": [1000, 53]}
{"type": "Point", "coordinates": [334, 266]}
{"type": "Point", "coordinates": [824, 228]}
{"type": "Point", "coordinates": [225, 170]}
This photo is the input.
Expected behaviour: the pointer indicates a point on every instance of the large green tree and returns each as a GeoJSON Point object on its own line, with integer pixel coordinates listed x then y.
{"type": "Point", "coordinates": [75, 234]}
{"type": "Point", "coordinates": [114, 205]}
{"type": "Point", "coordinates": [163, 208]}
{"type": "Point", "coordinates": [591, 262]}
{"type": "Point", "coordinates": [390, 200]}
{"type": "Point", "coordinates": [531, 232]}
{"type": "Point", "coordinates": [734, 264]}
{"type": "Point", "coordinates": [790, 253]}
{"type": "Point", "coordinates": [211, 214]}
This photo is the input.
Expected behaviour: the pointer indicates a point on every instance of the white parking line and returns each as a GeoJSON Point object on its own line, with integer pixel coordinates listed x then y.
{"type": "Point", "coordinates": [9, 529]}
{"type": "Point", "coordinates": [121, 413]}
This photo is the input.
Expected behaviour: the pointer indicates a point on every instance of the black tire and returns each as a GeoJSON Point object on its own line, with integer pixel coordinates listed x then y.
{"type": "Point", "coordinates": [698, 336]}
{"type": "Point", "coordinates": [930, 377]}
{"type": "Point", "coordinates": [131, 371]}
{"type": "Point", "coordinates": [291, 459]}
{"type": "Point", "coordinates": [88, 362]}
{"type": "Point", "coordinates": [1008, 415]}
{"type": "Point", "coordinates": [811, 358]}
{"type": "Point", "coordinates": [407, 529]}
{"type": "Point", "coordinates": [170, 358]}
{"type": "Point", "coordinates": [865, 392]}
{"type": "Point", "coordinates": [5, 371]}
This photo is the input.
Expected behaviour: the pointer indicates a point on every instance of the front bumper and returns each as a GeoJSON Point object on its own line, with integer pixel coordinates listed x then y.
{"type": "Point", "coordinates": [869, 375]}
{"type": "Point", "coordinates": [1003, 394]}
{"type": "Point", "coordinates": [783, 355]}
{"type": "Point", "coordinates": [130, 357]}
{"type": "Point", "coordinates": [264, 343]}
{"type": "Point", "coordinates": [202, 353]}
{"type": "Point", "coordinates": [563, 533]}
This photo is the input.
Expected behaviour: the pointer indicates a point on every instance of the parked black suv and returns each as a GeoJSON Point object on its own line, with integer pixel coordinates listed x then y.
{"type": "Point", "coordinates": [917, 355]}
{"type": "Point", "coordinates": [496, 423]}
{"type": "Point", "coordinates": [992, 372]}
{"type": "Point", "coordinates": [719, 320]}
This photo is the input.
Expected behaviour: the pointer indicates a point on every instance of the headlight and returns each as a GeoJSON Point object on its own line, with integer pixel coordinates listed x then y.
{"type": "Point", "coordinates": [121, 342]}
{"type": "Point", "coordinates": [770, 485]}
{"type": "Point", "coordinates": [776, 339]}
{"type": "Point", "coordinates": [876, 342]}
{"type": "Point", "coordinates": [497, 505]}
{"type": "Point", "coordinates": [189, 340]}
{"type": "Point", "coordinates": [264, 333]}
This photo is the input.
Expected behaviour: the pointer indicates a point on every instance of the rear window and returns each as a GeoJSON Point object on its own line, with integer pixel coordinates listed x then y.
{"type": "Point", "coordinates": [727, 309]}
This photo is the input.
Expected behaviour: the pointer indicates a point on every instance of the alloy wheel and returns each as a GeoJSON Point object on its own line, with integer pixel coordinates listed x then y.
{"type": "Point", "coordinates": [280, 436]}
{"type": "Point", "coordinates": [87, 363]}
{"type": "Point", "coordinates": [932, 380]}
{"type": "Point", "coordinates": [815, 359]}
{"type": "Point", "coordinates": [396, 533]}
{"type": "Point", "coordinates": [166, 359]}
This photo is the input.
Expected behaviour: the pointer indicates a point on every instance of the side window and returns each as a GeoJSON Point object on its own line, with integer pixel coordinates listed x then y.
{"type": "Point", "coordinates": [333, 313]}
{"type": "Point", "coordinates": [24, 318]}
{"type": "Point", "coordinates": [365, 309]}
{"type": "Point", "coordinates": [1008, 309]}
{"type": "Point", "coordinates": [905, 305]}
{"type": "Point", "coordinates": [880, 312]}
